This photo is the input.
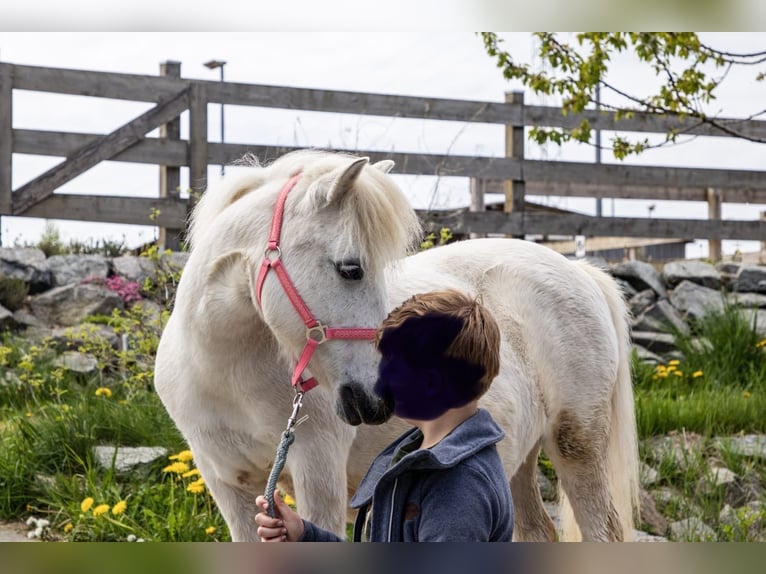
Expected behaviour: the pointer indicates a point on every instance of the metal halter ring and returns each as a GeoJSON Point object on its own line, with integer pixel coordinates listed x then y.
{"type": "Point", "coordinates": [270, 250]}
{"type": "Point", "coordinates": [317, 333]}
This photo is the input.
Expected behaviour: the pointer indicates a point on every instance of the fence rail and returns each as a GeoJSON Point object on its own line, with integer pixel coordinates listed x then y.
{"type": "Point", "coordinates": [514, 175]}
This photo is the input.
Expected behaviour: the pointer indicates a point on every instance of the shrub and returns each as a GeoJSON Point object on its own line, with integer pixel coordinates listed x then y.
{"type": "Point", "coordinates": [13, 292]}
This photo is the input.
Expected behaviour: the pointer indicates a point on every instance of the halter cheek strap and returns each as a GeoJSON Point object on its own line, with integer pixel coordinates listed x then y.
{"type": "Point", "coordinates": [316, 332]}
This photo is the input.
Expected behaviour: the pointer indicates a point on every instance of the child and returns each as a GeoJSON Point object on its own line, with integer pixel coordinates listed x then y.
{"type": "Point", "coordinates": [443, 480]}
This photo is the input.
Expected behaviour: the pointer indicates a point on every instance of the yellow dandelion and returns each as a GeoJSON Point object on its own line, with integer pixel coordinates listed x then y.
{"type": "Point", "coordinates": [192, 472]}
{"type": "Point", "coordinates": [176, 468]}
{"type": "Point", "coordinates": [671, 368]}
{"type": "Point", "coordinates": [196, 487]}
{"type": "Point", "coordinates": [210, 530]}
{"type": "Point", "coordinates": [696, 374]}
{"type": "Point", "coordinates": [183, 456]}
{"type": "Point", "coordinates": [120, 507]}
{"type": "Point", "coordinates": [674, 362]}
{"type": "Point", "coordinates": [101, 509]}
{"type": "Point", "coordinates": [104, 391]}
{"type": "Point", "coordinates": [29, 414]}
{"type": "Point", "coordinates": [86, 504]}
{"type": "Point", "coordinates": [679, 373]}
{"type": "Point", "coordinates": [746, 394]}
{"type": "Point", "coordinates": [68, 527]}
{"type": "Point", "coordinates": [760, 344]}
{"type": "Point", "coordinates": [289, 500]}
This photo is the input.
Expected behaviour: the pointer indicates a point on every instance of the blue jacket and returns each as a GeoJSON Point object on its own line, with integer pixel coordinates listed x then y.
{"type": "Point", "coordinates": [455, 491]}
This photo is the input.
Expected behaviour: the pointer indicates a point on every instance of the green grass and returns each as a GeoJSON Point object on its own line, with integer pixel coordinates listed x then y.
{"type": "Point", "coordinates": [718, 386]}
{"type": "Point", "coordinates": [51, 420]}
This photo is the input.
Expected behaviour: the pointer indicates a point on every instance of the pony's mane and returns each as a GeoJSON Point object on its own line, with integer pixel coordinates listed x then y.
{"type": "Point", "coordinates": [376, 216]}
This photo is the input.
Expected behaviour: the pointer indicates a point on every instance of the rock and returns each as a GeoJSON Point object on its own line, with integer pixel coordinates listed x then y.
{"type": "Point", "coordinates": [640, 275]}
{"type": "Point", "coordinates": [750, 445]}
{"type": "Point", "coordinates": [627, 289]}
{"type": "Point", "coordinates": [646, 355]}
{"type": "Point", "coordinates": [648, 475]}
{"type": "Point", "coordinates": [695, 301]}
{"type": "Point", "coordinates": [133, 268]}
{"type": "Point", "coordinates": [25, 319]}
{"type": "Point", "coordinates": [639, 536]}
{"type": "Point", "coordinates": [757, 318]}
{"type": "Point", "coordinates": [751, 278]}
{"type": "Point", "coordinates": [697, 272]}
{"type": "Point", "coordinates": [176, 260]}
{"type": "Point", "coordinates": [650, 516]}
{"type": "Point", "coordinates": [66, 269]}
{"type": "Point", "coordinates": [78, 362]}
{"type": "Point", "coordinates": [7, 319]}
{"type": "Point", "coordinates": [719, 478]}
{"type": "Point", "coordinates": [127, 457]}
{"type": "Point", "coordinates": [664, 314]}
{"type": "Point", "coordinates": [71, 304]}
{"type": "Point", "coordinates": [641, 301]}
{"type": "Point", "coordinates": [752, 300]}
{"type": "Point", "coordinates": [28, 264]}
{"type": "Point", "coordinates": [691, 530]}
{"type": "Point", "coordinates": [728, 271]}
{"type": "Point", "coordinates": [682, 449]}
{"type": "Point", "coordinates": [655, 342]}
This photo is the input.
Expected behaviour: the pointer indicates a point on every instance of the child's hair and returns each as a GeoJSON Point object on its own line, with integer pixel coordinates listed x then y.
{"type": "Point", "coordinates": [477, 342]}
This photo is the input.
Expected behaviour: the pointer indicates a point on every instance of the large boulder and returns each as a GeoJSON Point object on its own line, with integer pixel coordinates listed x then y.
{"type": "Point", "coordinates": [66, 269]}
{"type": "Point", "coordinates": [751, 278]}
{"type": "Point", "coordinates": [695, 301]}
{"type": "Point", "coordinates": [697, 272]}
{"type": "Point", "coordinates": [641, 275]}
{"type": "Point", "coordinates": [28, 264]}
{"type": "Point", "coordinates": [71, 304]}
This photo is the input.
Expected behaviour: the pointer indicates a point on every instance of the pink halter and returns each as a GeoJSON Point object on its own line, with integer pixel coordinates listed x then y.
{"type": "Point", "coordinates": [316, 332]}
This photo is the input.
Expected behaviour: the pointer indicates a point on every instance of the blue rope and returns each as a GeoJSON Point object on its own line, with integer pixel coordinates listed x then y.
{"type": "Point", "coordinates": [288, 437]}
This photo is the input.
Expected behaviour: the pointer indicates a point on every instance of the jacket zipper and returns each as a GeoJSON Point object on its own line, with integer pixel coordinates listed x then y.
{"type": "Point", "coordinates": [391, 515]}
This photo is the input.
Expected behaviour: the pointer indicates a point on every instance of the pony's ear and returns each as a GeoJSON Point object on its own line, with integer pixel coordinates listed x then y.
{"type": "Point", "coordinates": [385, 165]}
{"type": "Point", "coordinates": [344, 181]}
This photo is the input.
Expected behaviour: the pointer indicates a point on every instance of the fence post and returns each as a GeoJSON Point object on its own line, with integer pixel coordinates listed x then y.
{"type": "Point", "coordinates": [514, 148]}
{"type": "Point", "coordinates": [170, 176]}
{"type": "Point", "coordinates": [477, 200]}
{"type": "Point", "coordinates": [714, 212]}
{"type": "Point", "coordinates": [762, 254]}
{"type": "Point", "coordinates": [197, 144]}
{"type": "Point", "coordinates": [6, 141]}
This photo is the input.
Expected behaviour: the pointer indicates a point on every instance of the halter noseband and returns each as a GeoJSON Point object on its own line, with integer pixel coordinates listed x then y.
{"type": "Point", "coordinates": [316, 332]}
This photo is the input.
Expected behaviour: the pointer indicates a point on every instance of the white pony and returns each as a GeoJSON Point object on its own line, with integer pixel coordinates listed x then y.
{"type": "Point", "coordinates": [224, 361]}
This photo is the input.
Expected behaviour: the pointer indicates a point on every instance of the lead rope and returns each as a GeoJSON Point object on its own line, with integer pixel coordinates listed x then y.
{"type": "Point", "coordinates": [288, 437]}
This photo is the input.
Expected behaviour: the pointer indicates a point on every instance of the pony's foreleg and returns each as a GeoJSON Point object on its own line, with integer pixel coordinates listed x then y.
{"type": "Point", "coordinates": [236, 502]}
{"type": "Point", "coordinates": [531, 522]}
{"type": "Point", "coordinates": [318, 470]}
{"type": "Point", "coordinates": [237, 506]}
{"type": "Point", "coordinates": [578, 450]}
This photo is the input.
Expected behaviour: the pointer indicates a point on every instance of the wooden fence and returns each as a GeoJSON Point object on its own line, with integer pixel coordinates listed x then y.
{"type": "Point", "coordinates": [513, 175]}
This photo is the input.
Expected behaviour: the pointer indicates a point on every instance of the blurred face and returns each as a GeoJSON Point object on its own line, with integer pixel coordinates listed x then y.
{"type": "Point", "coordinates": [416, 380]}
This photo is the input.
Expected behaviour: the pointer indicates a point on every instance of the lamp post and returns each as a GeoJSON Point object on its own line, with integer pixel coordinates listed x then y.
{"type": "Point", "coordinates": [213, 64]}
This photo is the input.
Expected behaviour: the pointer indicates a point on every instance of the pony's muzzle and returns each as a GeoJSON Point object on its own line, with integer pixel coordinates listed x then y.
{"type": "Point", "coordinates": [354, 405]}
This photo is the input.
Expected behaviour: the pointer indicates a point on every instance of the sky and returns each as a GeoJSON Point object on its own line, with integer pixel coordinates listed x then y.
{"type": "Point", "coordinates": [435, 63]}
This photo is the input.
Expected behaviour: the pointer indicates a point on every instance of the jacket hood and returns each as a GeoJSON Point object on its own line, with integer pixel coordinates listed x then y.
{"type": "Point", "coordinates": [469, 437]}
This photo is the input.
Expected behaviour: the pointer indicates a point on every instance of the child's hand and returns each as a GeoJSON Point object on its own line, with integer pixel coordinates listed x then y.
{"type": "Point", "coordinates": [286, 527]}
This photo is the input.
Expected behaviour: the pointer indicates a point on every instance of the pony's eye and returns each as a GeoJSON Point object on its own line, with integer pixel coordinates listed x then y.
{"type": "Point", "coordinates": [350, 270]}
